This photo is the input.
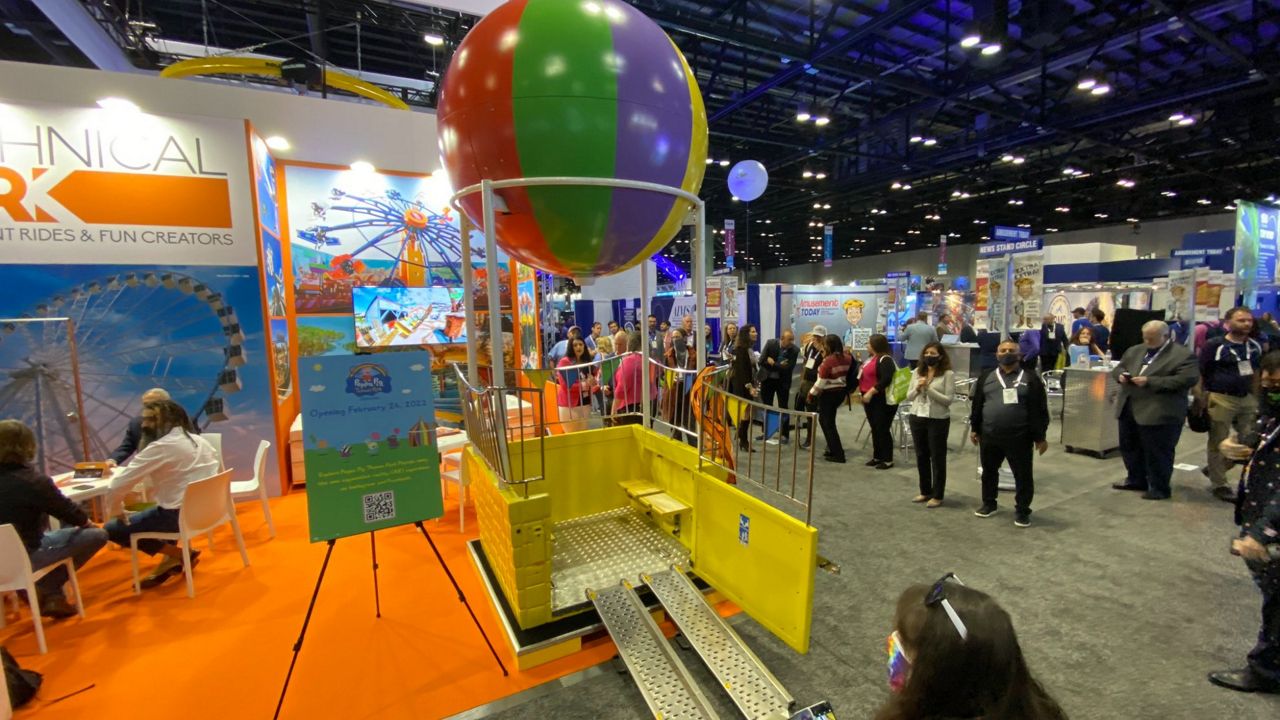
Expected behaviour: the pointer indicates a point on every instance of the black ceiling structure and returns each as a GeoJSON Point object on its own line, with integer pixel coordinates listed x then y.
{"type": "Point", "coordinates": [1091, 112]}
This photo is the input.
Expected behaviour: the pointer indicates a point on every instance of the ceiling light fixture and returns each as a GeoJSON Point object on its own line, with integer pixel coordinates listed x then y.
{"type": "Point", "coordinates": [917, 138]}
{"type": "Point", "coordinates": [807, 174]}
{"type": "Point", "coordinates": [277, 142]}
{"type": "Point", "coordinates": [1204, 201]}
{"type": "Point", "coordinates": [1187, 121]}
{"type": "Point", "coordinates": [821, 176]}
{"type": "Point", "coordinates": [821, 120]}
{"type": "Point", "coordinates": [433, 40]}
{"type": "Point", "coordinates": [1102, 89]}
{"type": "Point", "coordinates": [1125, 183]}
{"type": "Point", "coordinates": [930, 142]}
{"type": "Point", "coordinates": [992, 48]}
{"type": "Point", "coordinates": [971, 38]}
{"type": "Point", "coordinates": [362, 166]}
{"type": "Point", "coordinates": [1169, 193]}
{"type": "Point", "coordinates": [1062, 209]}
{"type": "Point", "coordinates": [1086, 83]}
{"type": "Point", "coordinates": [724, 163]}
{"type": "Point", "coordinates": [1176, 117]}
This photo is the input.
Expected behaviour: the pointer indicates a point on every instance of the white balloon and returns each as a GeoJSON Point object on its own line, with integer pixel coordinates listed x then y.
{"type": "Point", "coordinates": [748, 179]}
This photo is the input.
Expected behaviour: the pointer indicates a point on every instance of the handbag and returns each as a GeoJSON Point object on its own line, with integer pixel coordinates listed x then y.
{"type": "Point", "coordinates": [1198, 417]}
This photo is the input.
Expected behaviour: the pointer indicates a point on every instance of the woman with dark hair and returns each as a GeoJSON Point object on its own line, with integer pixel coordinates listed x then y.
{"type": "Point", "coordinates": [742, 380]}
{"type": "Point", "coordinates": [953, 654]}
{"type": "Point", "coordinates": [728, 342]}
{"type": "Point", "coordinates": [929, 403]}
{"type": "Point", "coordinates": [1082, 345]}
{"type": "Point", "coordinates": [575, 386]}
{"type": "Point", "coordinates": [873, 382]}
{"type": "Point", "coordinates": [829, 390]}
{"type": "Point", "coordinates": [176, 458]}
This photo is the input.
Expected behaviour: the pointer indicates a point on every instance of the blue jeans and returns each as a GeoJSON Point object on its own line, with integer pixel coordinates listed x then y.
{"type": "Point", "coordinates": [77, 543]}
{"type": "Point", "coordinates": [156, 519]}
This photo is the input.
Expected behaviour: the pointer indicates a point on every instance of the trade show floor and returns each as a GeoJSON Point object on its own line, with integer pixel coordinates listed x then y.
{"type": "Point", "coordinates": [1122, 605]}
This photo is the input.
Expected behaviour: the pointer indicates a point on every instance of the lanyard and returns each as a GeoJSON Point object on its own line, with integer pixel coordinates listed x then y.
{"type": "Point", "coordinates": [1016, 383]}
{"type": "Point", "coordinates": [1147, 363]}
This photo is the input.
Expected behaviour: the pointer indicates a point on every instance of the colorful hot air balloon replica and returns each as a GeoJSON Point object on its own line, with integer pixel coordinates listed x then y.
{"type": "Point", "coordinates": [581, 88]}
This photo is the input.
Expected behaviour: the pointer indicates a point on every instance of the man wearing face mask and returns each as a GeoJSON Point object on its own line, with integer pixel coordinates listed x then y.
{"type": "Point", "coordinates": [1258, 543]}
{"type": "Point", "coordinates": [1009, 417]}
{"type": "Point", "coordinates": [1154, 379]}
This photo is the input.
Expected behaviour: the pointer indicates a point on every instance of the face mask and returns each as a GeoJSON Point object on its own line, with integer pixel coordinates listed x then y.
{"type": "Point", "coordinates": [1270, 402]}
{"type": "Point", "coordinates": [899, 665]}
{"type": "Point", "coordinates": [931, 360]}
{"type": "Point", "coordinates": [1007, 359]}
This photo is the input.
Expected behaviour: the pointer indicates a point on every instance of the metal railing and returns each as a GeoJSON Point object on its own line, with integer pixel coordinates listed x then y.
{"type": "Point", "coordinates": [675, 411]}
{"type": "Point", "coordinates": [497, 416]}
{"type": "Point", "coordinates": [729, 441]}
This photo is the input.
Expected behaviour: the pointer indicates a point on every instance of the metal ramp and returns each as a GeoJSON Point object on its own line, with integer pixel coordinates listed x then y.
{"type": "Point", "coordinates": [663, 680]}
{"type": "Point", "coordinates": [755, 690]}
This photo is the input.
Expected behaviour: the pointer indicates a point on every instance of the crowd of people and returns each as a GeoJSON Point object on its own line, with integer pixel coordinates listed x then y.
{"type": "Point", "coordinates": [1226, 377]}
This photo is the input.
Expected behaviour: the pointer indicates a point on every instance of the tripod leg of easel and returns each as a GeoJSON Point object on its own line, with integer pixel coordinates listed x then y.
{"type": "Point", "coordinates": [377, 600]}
{"type": "Point", "coordinates": [463, 598]}
{"type": "Point", "coordinates": [297, 647]}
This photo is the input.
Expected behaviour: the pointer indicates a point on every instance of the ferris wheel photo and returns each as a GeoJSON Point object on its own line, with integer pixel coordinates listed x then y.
{"type": "Point", "coordinates": [135, 328]}
{"type": "Point", "coordinates": [352, 230]}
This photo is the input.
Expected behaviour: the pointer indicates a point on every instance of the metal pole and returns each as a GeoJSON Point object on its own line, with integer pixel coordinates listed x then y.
{"type": "Point", "coordinates": [700, 251]}
{"type": "Point", "coordinates": [496, 344]}
{"type": "Point", "coordinates": [469, 286]}
{"type": "Point", "coordinates": [645, 363]}
{"type": "Point", "coordinates": [75, 374]}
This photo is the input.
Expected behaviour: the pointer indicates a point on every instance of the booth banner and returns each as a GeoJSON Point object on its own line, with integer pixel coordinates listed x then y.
{"type": "Point", "coordinates": [1255, 248]}
{"type": "Point", "coordinates": [713, 298]}
{"type": "Point", "coordinates": [94, 187]}
{"type": "Point", "coordinates": [981, 300]}
{"type": "Point", "coordinates": [842, 312]}
{"type": "Point", "coordinates": [729, 298]}
{"type": "Point", "coordinates": [1028, 284]}
{"type": "Point", "coordinates": [196, 331]}
{"type": "Point", "coordinates": [1209, 286]}
{"type": "Point", "coordinates": [526, 294]}
{"type": "Point", "coordinates": [369, 445]}
{"type": "Point", "coordinates": [997, 293]}
{"type": "Point", "coordinates": [1180, 304]}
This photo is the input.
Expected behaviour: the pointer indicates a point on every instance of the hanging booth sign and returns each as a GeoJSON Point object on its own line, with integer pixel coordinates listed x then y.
{"type": "Point", "coordinates": [730, 243]}
{"type": "Point", "coordinates": [828, 245]}
{"type": "Point", "coordinates": [981, 297]}
{"type": "Point", "coordinates": [997, 292]}
{"type": "Point", "coordinates": [1006, 240]}
{"type": "Point", "coordinates": [729, 298]}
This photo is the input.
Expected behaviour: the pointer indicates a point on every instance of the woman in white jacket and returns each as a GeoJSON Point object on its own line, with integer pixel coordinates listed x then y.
{"type": "Point", "coordinates": [933, 387]}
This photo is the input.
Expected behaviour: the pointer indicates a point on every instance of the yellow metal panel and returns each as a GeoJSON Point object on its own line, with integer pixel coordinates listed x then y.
{"type": "Point", "coordinates": [770, 575]}
{"type": "Point", "coordinates": [581, 470]}
{"type": "Point", "coordinates": [547, 654]}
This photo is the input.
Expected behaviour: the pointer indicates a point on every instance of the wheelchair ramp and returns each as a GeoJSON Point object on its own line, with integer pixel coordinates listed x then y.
{"type": "Point", "coordinates": [663, 680]}
{"type": "Point", "coordinates": [755, 690]}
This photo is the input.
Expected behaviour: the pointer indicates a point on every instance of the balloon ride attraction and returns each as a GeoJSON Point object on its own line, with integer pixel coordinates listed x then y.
{"type": "Point", "coordinates": [568, 89]}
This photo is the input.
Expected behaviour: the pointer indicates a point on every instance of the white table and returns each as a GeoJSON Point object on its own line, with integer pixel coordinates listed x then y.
{"type": "Point", "coordinates": [80, 490]}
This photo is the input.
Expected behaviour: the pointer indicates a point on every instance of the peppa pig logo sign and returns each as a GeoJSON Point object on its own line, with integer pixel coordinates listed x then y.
{"type": "Point", "coordinates": [368, 379]}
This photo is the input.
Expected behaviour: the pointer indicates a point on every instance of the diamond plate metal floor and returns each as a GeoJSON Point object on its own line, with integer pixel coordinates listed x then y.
{"type": "Point", "coordinates": [599, 550]}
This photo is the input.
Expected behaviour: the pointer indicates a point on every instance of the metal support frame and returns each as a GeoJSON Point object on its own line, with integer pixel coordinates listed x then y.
{"type": "Point", "coordinates": [85, 450]}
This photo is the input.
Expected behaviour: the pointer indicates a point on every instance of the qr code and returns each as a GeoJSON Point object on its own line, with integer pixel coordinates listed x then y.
{"type": "Point", "coordinates": [379, 506]}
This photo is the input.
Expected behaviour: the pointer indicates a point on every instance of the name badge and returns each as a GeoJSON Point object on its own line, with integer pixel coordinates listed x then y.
{"type": "Point", "coordinates": [808, 364]}
{"type": "Point", "coordinates": [654, 344]}
{"type": "Point", "coordinates": [1011, 396]}
{"type": "Point", "coordinates": [1246, 368]}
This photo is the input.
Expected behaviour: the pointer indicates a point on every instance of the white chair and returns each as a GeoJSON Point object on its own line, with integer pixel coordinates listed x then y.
{"type": "Point", "coordinates": [215, 439]}
{"type": "Point", "coordinates": [16, 574]}
{"type": "Point", "coordinates": [206, 505]}
{"type": "Point", "coordinates": [255, 487]}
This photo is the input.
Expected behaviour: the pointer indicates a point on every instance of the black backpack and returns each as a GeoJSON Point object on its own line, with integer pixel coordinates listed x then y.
{"type": "Point", "coordinates": [23, 684]}
{"type": "Point", "coordinates": [851, 377]}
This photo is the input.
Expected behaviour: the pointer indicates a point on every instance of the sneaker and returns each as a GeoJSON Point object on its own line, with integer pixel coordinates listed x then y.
{"type": "Point", "coordinates": [986, 511]}
{"type": "Point", "coordinates": [1022, 519]}
{"type": "Point", "coordinates": [167, 568]}
{"type": "Point", "coordinates": [772, 441]}
{"type": "Point", "coordinates": [934, 503]}
{"type": "Point", "coordinates": [786, 440]}
{"type": "Point", "coordinates": [883, 465]}
{"type": "Point", "coordinates": [920, 499]}
{"type": "Point", "coordinates": [804, 445]}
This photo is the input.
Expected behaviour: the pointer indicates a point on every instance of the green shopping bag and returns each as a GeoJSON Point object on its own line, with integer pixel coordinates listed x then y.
{"type": "Point", "coordinates": [900, 386]}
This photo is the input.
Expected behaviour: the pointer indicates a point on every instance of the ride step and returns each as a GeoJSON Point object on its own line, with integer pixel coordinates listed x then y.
{"type": "Point", "coordinates": [664, 681]}
{"type": "Point", "coordinates": [754, 689]}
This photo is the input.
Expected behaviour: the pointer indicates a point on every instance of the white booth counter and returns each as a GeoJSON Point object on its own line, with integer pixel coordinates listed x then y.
{"type": "Point", "coordinates": [1089, 422]}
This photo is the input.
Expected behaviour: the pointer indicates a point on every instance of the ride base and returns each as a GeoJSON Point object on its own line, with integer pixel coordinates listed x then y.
{"type": "Point", "coordinates": [615, 506]}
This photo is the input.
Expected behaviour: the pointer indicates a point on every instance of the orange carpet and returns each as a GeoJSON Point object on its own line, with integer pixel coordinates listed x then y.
{"type": "Point", "coordinates": [225, 652]}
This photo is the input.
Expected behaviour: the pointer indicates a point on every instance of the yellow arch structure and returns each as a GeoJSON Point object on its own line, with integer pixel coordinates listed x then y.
{"type": "Point", "coordinates": [271, 68]}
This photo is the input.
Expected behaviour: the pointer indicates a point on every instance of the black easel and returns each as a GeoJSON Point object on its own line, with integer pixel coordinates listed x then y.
{"type": "Point", "coordinates": [297, 646]}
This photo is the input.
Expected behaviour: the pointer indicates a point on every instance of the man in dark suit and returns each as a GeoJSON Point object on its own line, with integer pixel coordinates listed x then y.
{"type": "Point", "coordinates": [1053, 338]}
{"type": "Point", "coordinates": [777, 363]}
{"type": "Point", "coordinates": [134, 436]}
{"type": "Point", "coordinates": [1154, 379]}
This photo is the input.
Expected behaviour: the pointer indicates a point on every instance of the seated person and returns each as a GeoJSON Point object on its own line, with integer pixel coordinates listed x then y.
{"type": "Point", "coordinates": [178, 456]}
{"type": "Point", "coordinates": [134, 437]}
{"type": "Point", "coordinates": [953, 654]}
{"type": "Point", "coordinates": [26, 498]}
